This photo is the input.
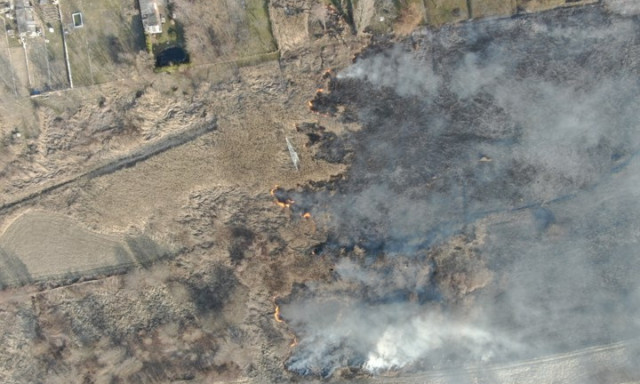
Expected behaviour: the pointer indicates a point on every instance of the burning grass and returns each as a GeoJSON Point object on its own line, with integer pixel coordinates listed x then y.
{"type": "Point", "coordinates": [281, 198]}
{"type": "Point", "coordinates": [446, 150]}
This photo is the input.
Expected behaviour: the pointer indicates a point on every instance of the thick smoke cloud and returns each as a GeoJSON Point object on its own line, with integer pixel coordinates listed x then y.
{"type": "Point", "coordinates": [623, 7]}
{"type": "Point", "coordinates": [396, 70]}
{"type": "Point", "coordinates": [491, 209]}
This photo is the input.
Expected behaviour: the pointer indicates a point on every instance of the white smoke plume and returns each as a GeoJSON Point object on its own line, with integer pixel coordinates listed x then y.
{"type": "Point", "coordinates": [624, 7]}
{"type": "Point", "coordinates": [401, 344]}
{"type": "Point", "coordinates": [519, 136]}
{"type": "Point", "coordinates": [396, 70]}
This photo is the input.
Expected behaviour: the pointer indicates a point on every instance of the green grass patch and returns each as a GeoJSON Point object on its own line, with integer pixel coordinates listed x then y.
{"type": "Point", "coordinates": [258, 59]}
{"type": "Point", "coordinates": [172, 68]}
{"type": "Point", "coordinates": [172, 35]}
{"type": "Point", "coordinates": [260, 37]}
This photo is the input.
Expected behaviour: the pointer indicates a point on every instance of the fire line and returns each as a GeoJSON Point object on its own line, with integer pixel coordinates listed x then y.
{"type": "Point", "coordinates": [281, 202]}
{"type": "Point", "coordinates": [276, 314]}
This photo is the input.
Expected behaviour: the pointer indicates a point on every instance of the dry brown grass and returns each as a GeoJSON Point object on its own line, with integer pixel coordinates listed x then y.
{"type": "Point", "coordinates": [106, 47]}
{"type": "Point", "coordinates": [51, 245]}
{"type": "Point", "coordinates": [492, 8]}
{"type": "Point", "coordinates": [411, 16]}
{"type": "Point", "coordinates": [441, 12]}
{"type": "Point", "coordinates": [541, 5]}
{"type": "Point", "coordinates": [224, 30]}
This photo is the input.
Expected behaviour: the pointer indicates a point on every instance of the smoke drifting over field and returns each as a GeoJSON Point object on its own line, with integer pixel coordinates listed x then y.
{"type": "Point", "coordinates": [491, 210]}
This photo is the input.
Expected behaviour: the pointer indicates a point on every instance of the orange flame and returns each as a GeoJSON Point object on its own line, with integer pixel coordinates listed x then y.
{"type": "Point", "coordinates": [281, 203]}
{"type": "Point", "coordinates": [276, 314]}
{"type": "Point", "coordinates": [284, 204]}
{"type": "Point", "coordinates": [277, 318]}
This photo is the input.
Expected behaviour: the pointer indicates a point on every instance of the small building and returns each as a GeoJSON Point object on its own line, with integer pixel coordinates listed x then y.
{"type": "Point", "coordinates": [25, 18]}
{"type": "Point", "coordinates": [151, 19]}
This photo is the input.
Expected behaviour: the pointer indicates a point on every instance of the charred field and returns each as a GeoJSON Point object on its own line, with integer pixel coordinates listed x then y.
{"type": "Point", "coordinates": [488, 208]}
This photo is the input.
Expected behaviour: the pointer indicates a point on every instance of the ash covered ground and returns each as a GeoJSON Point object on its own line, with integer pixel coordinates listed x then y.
{"type": "Point", "coordinates": [490, 211]}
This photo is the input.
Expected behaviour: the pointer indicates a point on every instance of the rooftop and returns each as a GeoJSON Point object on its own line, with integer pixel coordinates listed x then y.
{"type": "Point", "coordinates": [149, 10]}
{"type": "Point", "coordinates": [25, 18]}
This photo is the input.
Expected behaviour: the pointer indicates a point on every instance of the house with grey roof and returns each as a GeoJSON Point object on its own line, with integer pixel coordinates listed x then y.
{"type": "Point", "coordinates": [151, 20]}
{"type": "Point", "coordinates": [25, 18]}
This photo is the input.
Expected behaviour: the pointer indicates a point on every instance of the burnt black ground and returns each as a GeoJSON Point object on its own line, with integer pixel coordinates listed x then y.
{"type": "Point", "coordinates": [526, 128]}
